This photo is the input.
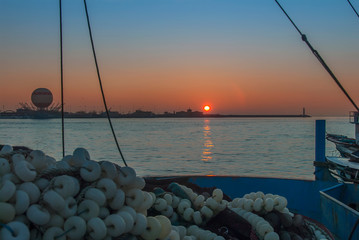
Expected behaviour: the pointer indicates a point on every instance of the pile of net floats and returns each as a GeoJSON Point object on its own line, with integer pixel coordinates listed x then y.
{"type": "Point", "coordinates": [78, 198]}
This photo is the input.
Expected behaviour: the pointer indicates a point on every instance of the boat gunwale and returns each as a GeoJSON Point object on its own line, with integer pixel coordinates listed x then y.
{"type": "Point", "coordinates": [229, 176]}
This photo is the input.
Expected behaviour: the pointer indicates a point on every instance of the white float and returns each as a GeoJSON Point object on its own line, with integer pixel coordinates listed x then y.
{"type": "Point", "coordinates": [96, 228]}
{"type": "Point", "coordinates": [19, 231]}
{"type": "Point", "coordinates": [115, 225]}
{"type": "Point", "coordinates": [7, 190]}
{"type": "Point", "coordinates": [77, 197]}
{"type": "Point", "coordinates": [7, 212]}
{"type": "Point", "coordinates": [75, 227]}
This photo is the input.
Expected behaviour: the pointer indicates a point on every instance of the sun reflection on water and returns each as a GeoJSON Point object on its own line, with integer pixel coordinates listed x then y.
{"type": "Point", "coordinates": [207, 144]}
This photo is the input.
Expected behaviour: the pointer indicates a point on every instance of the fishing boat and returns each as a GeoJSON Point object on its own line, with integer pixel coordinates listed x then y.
{"type": "Point", "coordinates": [343, 168]}
{"type": "Point", "coordinates": [329, 205]}
{"type": "Point", "coordinates": [347, 147]}
{"type": "Point", "coordinates": [346, 166]}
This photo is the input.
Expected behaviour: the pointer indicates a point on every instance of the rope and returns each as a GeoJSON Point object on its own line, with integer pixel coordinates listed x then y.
{"type": "Point", "coordinates": [320, 59]}
{"type": "Point", "coordinates": [313, 226]}
{"type": "Point", "coordinates": [62, 84]}
{"type": "Point", "coordinates": [7, 227]}
{"type": "Point", "coordinates": [353, 8]}
{"type": "Point", "coordinates": [83, 211]}
{"type": "Point", "coordinates": [99, 79]}
{"type": "Point", "coordinates": [353, 229]}
{"type": "Point", "coordinates": [321, 164]}
{"type": "Point", "coordinates": [64, 233]}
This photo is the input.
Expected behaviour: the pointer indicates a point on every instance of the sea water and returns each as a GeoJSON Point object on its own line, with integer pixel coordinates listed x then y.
{"type": "Point", "coordinates": [273, 147]}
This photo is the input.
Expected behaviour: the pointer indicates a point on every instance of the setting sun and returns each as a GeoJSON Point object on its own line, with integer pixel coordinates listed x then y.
{"type": "Point", "coordinates": [206, 108]}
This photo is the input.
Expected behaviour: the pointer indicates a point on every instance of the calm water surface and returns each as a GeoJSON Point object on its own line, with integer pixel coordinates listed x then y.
{"type": "Point", "coordinates": [276, 147]}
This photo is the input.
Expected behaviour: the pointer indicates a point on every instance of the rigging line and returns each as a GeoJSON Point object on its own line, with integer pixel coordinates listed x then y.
{"type": "Point", "coordinates": [320, 59]}
{"type": "Point", "coordinates": [62, 84]}
{"type": "Point", "coordinates": [99, 79]}
{"type": "Point", "coordinates": [353, 8]}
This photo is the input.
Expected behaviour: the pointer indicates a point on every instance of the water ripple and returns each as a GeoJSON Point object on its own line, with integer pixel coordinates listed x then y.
{"type": "Point", "coordinates": [184, 146]}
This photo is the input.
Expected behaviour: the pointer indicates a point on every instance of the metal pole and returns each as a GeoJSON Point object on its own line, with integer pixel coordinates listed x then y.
{"type": "Point", "coordinates": [356, 122]}
{"type": "Point", "coordinates": [319, 147]}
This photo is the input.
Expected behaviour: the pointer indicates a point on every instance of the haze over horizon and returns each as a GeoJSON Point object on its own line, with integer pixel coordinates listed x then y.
{"type": "Point", "coordinates": [239, 57]}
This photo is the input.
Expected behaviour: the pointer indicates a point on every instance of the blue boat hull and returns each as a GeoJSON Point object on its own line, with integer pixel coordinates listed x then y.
{"type": "Point", "coordinates": [324, 201]}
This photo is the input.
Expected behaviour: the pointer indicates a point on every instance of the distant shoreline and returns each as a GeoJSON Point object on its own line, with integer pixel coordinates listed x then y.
{"type": "Point", "coordinates": [261, 116]}
{"type": "Point", "coordinates": [47, 114]}
{"type": "Point", "coordinates": [156, 116]}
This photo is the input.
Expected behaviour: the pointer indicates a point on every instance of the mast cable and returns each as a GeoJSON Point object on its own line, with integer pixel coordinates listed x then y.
{"type": "Point", "coordinates": [320, 59]}
{"type": "Point", "coordinates": [62, 85]}
{"type": "Point", "coordinates": [99, 79]}
{"type": "Point", "coordinates": [353, 8]}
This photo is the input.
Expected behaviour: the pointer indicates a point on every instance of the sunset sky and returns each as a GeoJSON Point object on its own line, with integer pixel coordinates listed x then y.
{"type": "Point", "coordinates": [238, 56]}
